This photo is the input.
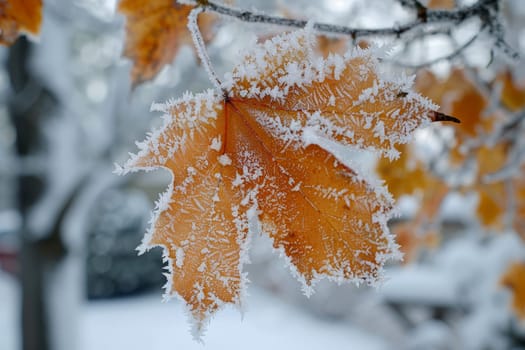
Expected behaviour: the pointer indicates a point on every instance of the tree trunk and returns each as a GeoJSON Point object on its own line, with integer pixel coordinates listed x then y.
{"type": "Point", "coordinates": [28, 103]}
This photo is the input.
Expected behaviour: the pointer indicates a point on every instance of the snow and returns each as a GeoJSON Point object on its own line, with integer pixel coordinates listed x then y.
{"type": "Point", "coordinates": [216, 144]}
{"type": "Point", "coordinates": [10, 221]}
{"type": "Point", "coordinates": [421, 285]}
{"type": "Point", "coordinates": [224, 160]}
{"type": "Point", "coordinates": [145, 323]}
{"type": "Point", "coordinates": [432, 335]}
{"type": "Point", "coordinates": [179, 257]}
{"type": "Point", "coordinates": [463, 276]}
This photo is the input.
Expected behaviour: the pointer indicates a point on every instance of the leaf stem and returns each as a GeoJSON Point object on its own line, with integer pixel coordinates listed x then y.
{"type": "Point", "coordinates": [198, 41]}
{"type": "Point", "coordinates": [436, 116]}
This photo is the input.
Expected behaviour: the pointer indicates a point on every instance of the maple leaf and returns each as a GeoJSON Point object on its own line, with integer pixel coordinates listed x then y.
{"type": "Point", "coordinates": [263, 156]}
{"type": "Point", "coordinates": [155, 31]}
{"type": "Point", "coordinates": [18, 16]}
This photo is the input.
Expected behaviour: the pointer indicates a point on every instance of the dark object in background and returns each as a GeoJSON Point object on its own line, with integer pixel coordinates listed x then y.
{"type": "Point", "coordinates": [113, 268]}
{"type": "Point", "coordinates": [9, 242]}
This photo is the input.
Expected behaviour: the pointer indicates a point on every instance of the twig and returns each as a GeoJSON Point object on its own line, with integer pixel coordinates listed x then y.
{"type": "Point", "coordinates": [507, 49]}
{"type": "Point", "coordinates": [253, 17]}
{"type": "Point", "coordinates": [512, 127]}
{"type": "Point", "coordinates": [411, 4]}
{"type": "Point", "coordinates": [458, 51]}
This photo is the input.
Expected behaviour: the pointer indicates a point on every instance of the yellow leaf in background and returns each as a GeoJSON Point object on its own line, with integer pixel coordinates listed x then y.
{"type": "Point", "coordinates": [18, 16]}
{"type": "Point", "coordinates": [492, 204]}
{"type": "Point", "coordinates": [514, 280]}
{"type": "Point", "coordinates": [512, 94]}
{"type": "Point", "coordinates": [469, 106]}
{"type": "Point", "coordinates": [405, 175]}
{"type": "Point", "coordinates": [491, 159]}
{"type": "Point", "coordinates": [155, 31]}
{"type": "Point", "coordinates": [519, 202]}
{"type": "Point", "coordinates": [441, 4]}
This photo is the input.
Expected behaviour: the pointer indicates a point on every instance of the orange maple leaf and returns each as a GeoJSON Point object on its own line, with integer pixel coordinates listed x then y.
{"type": "Point", "coordinates": [155, 31]}
{"type": "Point", "coordinates": [18, 16]}
{"type": "Point", "coordinates": [262, 156]}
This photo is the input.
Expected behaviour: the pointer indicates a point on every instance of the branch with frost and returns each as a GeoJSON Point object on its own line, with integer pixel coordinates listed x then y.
{"type": "Point", "coordinates": [455, 53]}
{"type": "Point", "coordinates": [487, 11]}
{"type": "Point", "coordinates": [511, 130]}
{"type": "Point", "coordinates": [411, 4]}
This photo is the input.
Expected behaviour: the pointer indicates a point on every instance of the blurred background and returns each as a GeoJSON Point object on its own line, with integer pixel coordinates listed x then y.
{"type": "Point", "coordinates": [69, 274]}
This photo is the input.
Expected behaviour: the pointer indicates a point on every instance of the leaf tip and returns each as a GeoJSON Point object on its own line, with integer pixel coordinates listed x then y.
{"type": "Point", "coordinates": [197, 331]}
{"type": "Point", "coordinates": [436, 116]}
{"type": "Point", "coordinates": [118, 170]}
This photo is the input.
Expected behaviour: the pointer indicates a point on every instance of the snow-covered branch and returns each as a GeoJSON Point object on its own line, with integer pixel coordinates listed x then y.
{"type": "Point", "coordinates": [487, 11]}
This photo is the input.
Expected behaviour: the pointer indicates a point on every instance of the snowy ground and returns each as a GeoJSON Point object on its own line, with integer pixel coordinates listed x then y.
{"type": "Point", "coordinates": [146, 323]}
{"type": "Point", "coordinates": [461, 279]}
